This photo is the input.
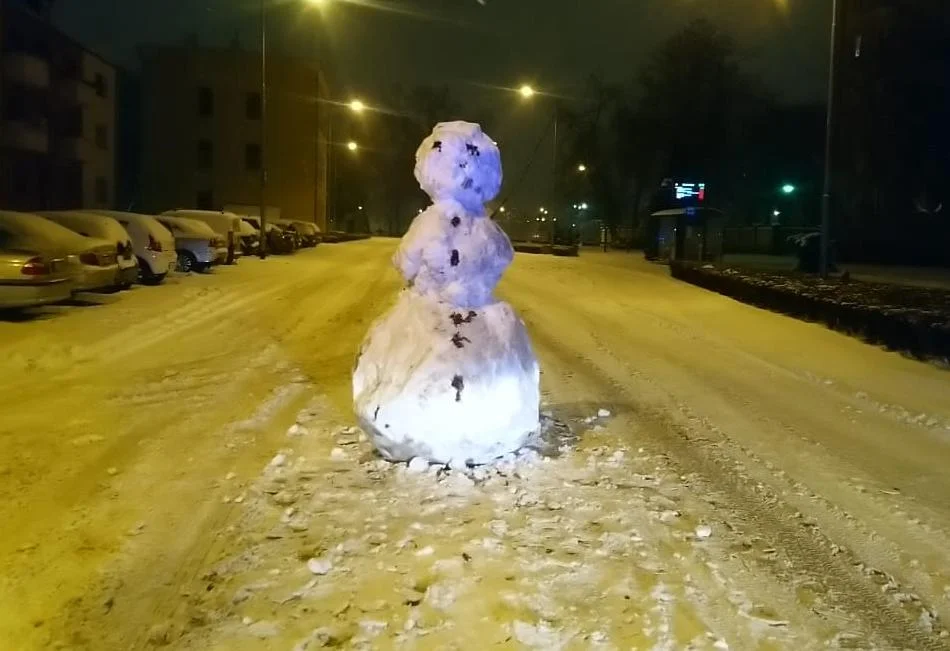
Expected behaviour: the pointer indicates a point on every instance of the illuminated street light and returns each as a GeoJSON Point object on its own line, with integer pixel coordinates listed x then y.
{"type": "Point", "coordinates": [776, 213]}
{"type": "Point", "coordinates": [352, 146]}
{"type": "Point", "coordinates": [788, 188]}
{"type": "Point", "coordinates": [526, 91]}
{"type": "Point", "coordinates": [582, 168]}
{"type": "Point", "coordinates": [356, 106]}
{"type": "Point", "coordinates": [502, 209]}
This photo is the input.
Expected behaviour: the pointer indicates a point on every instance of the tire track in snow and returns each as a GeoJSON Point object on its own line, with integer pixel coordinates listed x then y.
{"type": "Point", "coordinates": [757, 505]}
{"type": "Point", "coordinates": [879, 539]}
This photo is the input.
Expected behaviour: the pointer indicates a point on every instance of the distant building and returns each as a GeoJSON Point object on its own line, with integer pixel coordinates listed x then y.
{"type": "Point", "coordinates": [57, 124]}
{"type": "Point", "coordinates": [201, 132]}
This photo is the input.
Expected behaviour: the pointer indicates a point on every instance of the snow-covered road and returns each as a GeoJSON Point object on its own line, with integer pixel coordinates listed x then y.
{"type": "Point", "coordinates": [760, 483]}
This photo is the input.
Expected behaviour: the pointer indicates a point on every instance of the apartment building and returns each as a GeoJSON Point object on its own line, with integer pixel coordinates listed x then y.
{"type": "Point", "coordinates": [57, 116]}
{"type": "Point", "coordinates": [201, 132]}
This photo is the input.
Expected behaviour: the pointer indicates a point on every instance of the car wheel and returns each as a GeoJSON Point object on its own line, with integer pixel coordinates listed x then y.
{"type": "Point", "coordinates": [187, 262]}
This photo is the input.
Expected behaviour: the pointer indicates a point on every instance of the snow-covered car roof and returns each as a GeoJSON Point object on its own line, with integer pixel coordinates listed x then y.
{"type": "Point", "coordinates": [226, 221]}
{"type": "Point", "coordinates": [248, 229]}
{"type": "Point", "coordinates": [34, 233]}
{"type": "Point", "coordinates": [183, 227]}
{"type": "Point", "coordinates": [148, 222]}
{"type": "Point", "coordinates": [256, 221]}
{"type": "Point", "coordinates": [308, 227]}
{"type": "Point", "coordinates": [89, 224]}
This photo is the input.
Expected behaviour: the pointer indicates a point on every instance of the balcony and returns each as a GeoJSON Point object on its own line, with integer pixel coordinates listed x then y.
{"type": "Point", "coordinates": [75, 91]}
{"type": "Point", "coordinates": [73, 147]}
{"type": "Point", "coordinates": [26, 69]}
{"type": "Point", "coordinates": [25, 136]}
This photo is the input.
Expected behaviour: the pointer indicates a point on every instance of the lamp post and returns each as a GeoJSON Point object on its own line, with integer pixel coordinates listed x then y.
{"type": "Point", "coordinates": [262, 248]}
{"type": "Point", "coordinates": [356, 106]}
{"type": "Point", "coordinates": [527, 93]}
{"type": "Point", "coordinates": [829, 148]}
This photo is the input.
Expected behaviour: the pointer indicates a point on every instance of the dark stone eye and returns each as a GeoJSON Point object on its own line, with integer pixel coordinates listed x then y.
{"type": "Point", "coordinates": [458, 384]}
{"type": "Point", "coordinates": [458, 319]}
{"type": "Point", "coordinates": [454, 260]}
{"type": "Point", "coordinates": [467, 184]}
{"type": "Point", "coordinates": [456, 221]}
{"type": "Point", "coordinates": [437, 145]}
{"type": "Point", "coordinates": [472, 150]}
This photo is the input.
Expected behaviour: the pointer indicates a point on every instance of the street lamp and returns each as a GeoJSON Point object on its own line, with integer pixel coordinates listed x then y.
{"type": "Point", "coordinates": [352, 146]}
{"type": "Point", "coordinates": [262, 247]}
{"type": "Point", "coordinates": [582, 168]}
{"type": "Point", "coordinates": [788, 188]}
{"type": "Point", "coordinates": [527, 92]}
{"type": "Point", "coordinates": [829, 125]}
{"type": "Point", "coordinates": [355, 106]}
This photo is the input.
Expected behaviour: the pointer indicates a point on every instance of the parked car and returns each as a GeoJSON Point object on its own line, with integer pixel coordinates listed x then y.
{"type": "Point", "coordinates": [92, 261]}
{"type": "Point", "coordinates": [278, 240]}
{"type": "Point", "coordinates": [197, 246]}
{"type": "Point", "coordinates": [29, 279]}
{"type": "Point", "coordinates": [154, 245]}
{"type": "Point", "coordinates": [308, 233]}
{"type": "Point", "coordinates": [103, 228]}
{"type": "Point", "coordinates": [250, 238]}
{"type": "Point", "coordinates": [289, 231]}
{"type": "Point", "coordinates": [226, 224]}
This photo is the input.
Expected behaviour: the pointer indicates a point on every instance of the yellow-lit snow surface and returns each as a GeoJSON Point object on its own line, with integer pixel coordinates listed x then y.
{"type": "Point", "coordinates": [761, 483]}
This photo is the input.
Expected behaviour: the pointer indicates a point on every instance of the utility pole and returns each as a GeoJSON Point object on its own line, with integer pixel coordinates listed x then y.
{"type": "Point", "coordinates": [826, 203]}
{"type": "Point", "coordinates": [262, 249]}
{"type": "Point", "coordinates": [554, 198]}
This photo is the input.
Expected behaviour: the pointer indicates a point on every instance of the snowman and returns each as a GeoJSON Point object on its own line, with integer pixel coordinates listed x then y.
{"type": "Point", "coordinates": [448, 374]}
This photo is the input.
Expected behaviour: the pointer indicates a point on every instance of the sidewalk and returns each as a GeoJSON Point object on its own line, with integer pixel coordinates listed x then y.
{"type": "Point", "coordinates": [930, 277]}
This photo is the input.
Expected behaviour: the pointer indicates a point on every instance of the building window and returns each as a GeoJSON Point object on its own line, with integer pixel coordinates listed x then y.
{"type": "Point", "coordinates": [102, 191]}
{"type": "Point", "coordinates": [72, 123]}
{"type": "Point", "coordinates": [102, 136]}
{"type": "Point", "coordinates": [253, 106]}
{"type": "Point", "coordinates": [252, 157]}
{"type": "Point", "coordinates": [102, 88]}
{"type": "Point", "coordinates": [204, 200]}
{"type": "Point", "coordinates": [205, 155]}
{"type": "Point", "coordinates": [205, 102]}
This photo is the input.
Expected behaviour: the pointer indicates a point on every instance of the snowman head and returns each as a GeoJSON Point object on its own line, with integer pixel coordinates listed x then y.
{"type": "Point", "coordinates": [458, 161]}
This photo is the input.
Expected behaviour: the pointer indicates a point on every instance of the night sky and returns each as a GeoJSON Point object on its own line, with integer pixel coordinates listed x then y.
{"type": "Point", "coordinates": [553, 44]}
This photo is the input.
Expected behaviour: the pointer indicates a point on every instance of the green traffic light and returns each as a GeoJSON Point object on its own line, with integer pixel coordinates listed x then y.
{"type": "Point", "coordinates": [788, 188]}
